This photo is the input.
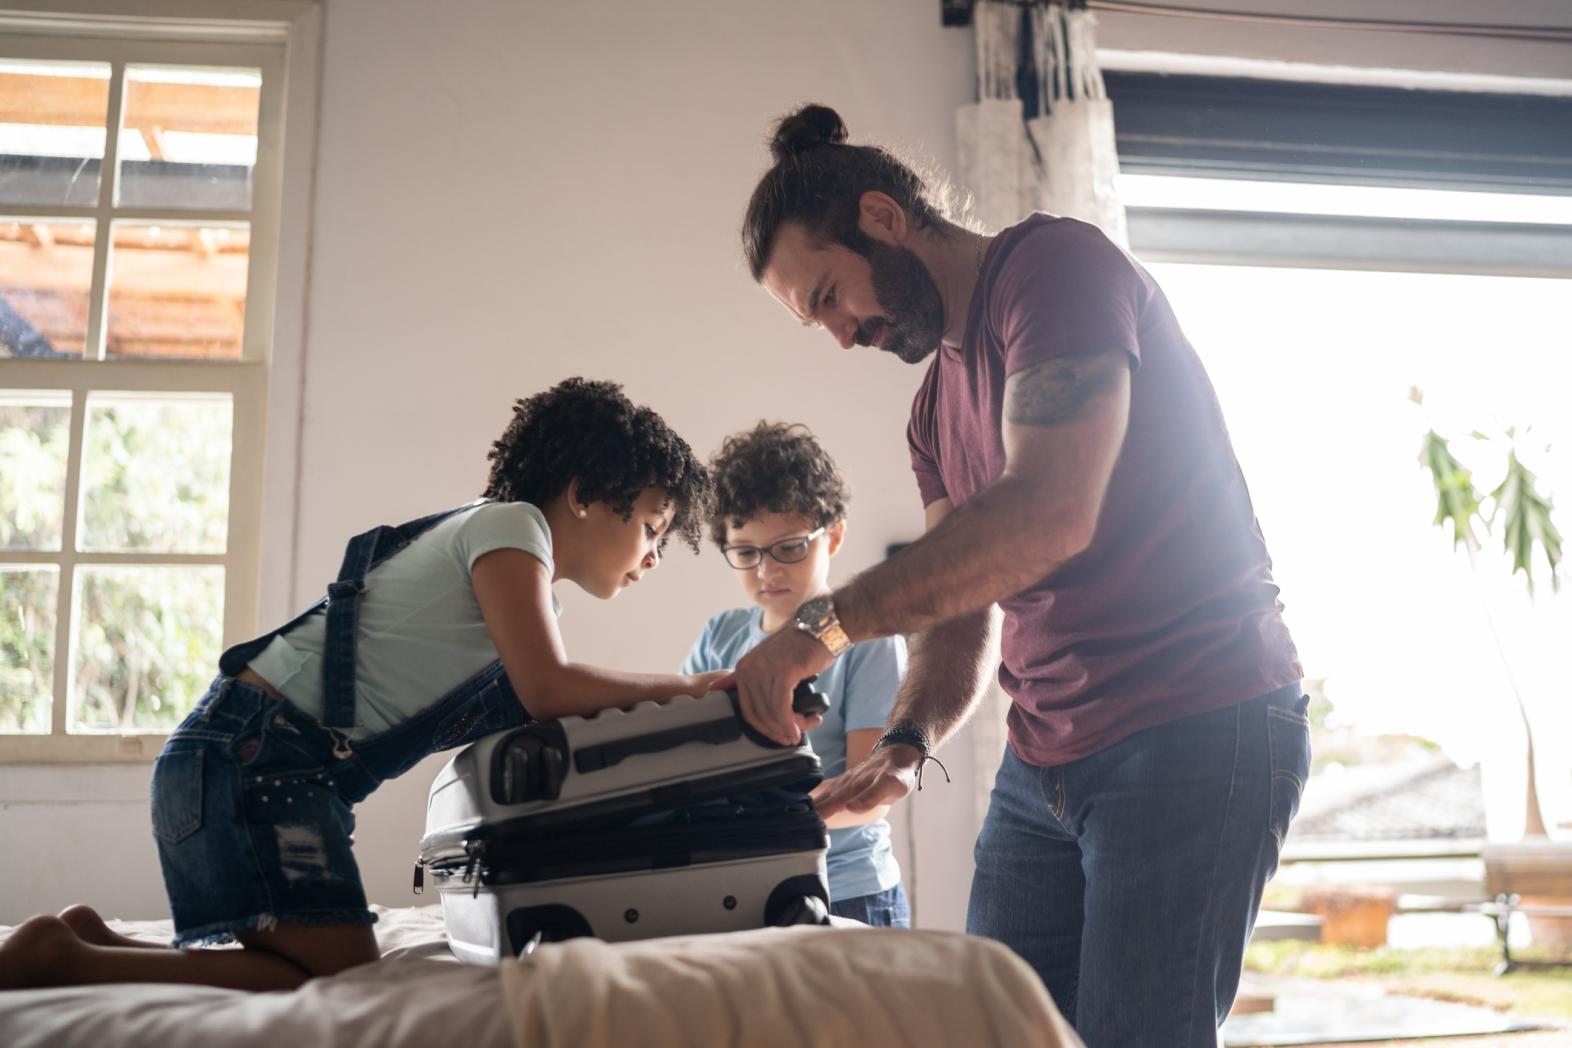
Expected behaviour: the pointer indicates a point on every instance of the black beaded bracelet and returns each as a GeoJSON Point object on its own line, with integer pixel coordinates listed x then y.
{"type": "Point", "coordinates": [908, 734]}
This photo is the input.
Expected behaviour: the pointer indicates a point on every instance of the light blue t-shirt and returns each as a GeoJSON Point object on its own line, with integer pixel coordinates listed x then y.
{"type": "Point", "coordinates": [860, 686]}
{"type": "Point", "coordinates": [421, 633]}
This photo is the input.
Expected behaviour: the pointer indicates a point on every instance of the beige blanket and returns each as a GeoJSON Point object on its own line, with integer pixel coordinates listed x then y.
{"type": "Point", "coordinates": [829, 987]}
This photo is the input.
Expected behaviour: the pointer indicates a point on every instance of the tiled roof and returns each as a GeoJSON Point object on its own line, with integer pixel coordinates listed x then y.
{"type": "Point", "coordinates": [1436, 800]}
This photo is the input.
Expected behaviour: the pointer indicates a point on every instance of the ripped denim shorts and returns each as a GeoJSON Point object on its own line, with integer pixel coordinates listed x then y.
{"type": "Point", "coordinates": [251, 811]}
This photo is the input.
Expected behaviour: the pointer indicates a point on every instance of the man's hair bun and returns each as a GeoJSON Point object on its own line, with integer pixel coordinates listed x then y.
{"type": "Point", "coordinates": [809, 127]}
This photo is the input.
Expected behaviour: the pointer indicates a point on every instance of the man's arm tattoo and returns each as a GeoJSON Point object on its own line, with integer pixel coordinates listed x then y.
{"type": "Point", "coordinates": [1058, 390]}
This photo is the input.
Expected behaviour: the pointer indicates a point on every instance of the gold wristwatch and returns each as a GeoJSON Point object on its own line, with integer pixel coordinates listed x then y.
{"type": "Point", "coordinates": [818, 620]}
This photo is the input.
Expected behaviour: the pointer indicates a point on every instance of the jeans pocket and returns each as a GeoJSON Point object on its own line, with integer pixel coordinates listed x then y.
{"type": "Point", "coordinates": [1288, 743]}
{"type": "Point", "coordinates": [177, 795]}
{"type": "Point", "coordinates": [271, 742]}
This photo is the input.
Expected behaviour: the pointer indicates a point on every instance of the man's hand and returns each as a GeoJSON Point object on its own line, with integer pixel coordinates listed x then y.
{"type": "Point", "coordinates": [884, 777]}
{"type": "Point", "coordinates": [766, 677]}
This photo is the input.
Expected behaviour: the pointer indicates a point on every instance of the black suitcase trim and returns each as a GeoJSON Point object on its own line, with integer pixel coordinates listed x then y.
{"type": "Point", "coordinates": [501, 860]}
{"type": "Point", "coordinates": [799, 771]}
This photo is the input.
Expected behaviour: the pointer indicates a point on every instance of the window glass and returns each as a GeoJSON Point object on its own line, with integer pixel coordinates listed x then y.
{"type": "Point", "coordinates": [52, 120]}
{"type": "Point", "coordinates": [27, 646]}
{"type": "Point", "coordinates": [155, 473]}
{"type": "Point", "coordinates": [190, 137]}
{"type": "Point", "coordinates": [34, 432]}
{"type": "Point", "coordinates": [147, 644]}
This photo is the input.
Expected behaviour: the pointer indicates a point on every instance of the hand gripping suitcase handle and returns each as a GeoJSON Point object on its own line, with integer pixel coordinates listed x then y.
{"type": "Point", "coordinates": [805, 698]}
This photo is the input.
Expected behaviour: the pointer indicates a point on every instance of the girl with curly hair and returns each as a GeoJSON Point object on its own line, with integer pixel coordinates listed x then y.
{"type": "Point", "coordinates": [435, 633]}
{"type": "Point", "coordinates": [780, 515]}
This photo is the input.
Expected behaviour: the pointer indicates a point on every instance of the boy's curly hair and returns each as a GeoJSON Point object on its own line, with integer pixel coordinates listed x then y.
{"type": "Point", "coordinates": [775, 468]}
{"type": "Point", "coordinates": [589, 431]}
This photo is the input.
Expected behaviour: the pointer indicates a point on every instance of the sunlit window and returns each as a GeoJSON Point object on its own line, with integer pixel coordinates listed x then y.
{"type": "Point", "coordinates": [1317, 371]}
{"type": "Point", "coordinates": [138, 191]}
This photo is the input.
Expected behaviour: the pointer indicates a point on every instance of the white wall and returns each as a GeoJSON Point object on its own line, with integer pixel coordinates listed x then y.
{"type": "Point", "coordinates": [507, 194]}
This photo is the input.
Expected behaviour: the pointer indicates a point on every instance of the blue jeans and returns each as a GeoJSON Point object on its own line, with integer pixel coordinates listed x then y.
{"type": "Point", "coordinates": [1130, 879]}
{"type": "Point", "coordinates": [886, 909]}
{"type": "Point", "coordinates": [251, 819]}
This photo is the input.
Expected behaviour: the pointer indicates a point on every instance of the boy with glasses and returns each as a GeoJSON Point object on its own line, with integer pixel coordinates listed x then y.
{"type": "Point", "coordinates": [780, 515]}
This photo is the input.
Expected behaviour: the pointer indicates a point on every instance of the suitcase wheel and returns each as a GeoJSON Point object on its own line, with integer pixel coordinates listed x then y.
{"type": "Point", "coordinates": [805, 909]}
{"type": "Point", "coordinates": [797, 900]}
{"type": "Point", "coordinates": [529, 926]}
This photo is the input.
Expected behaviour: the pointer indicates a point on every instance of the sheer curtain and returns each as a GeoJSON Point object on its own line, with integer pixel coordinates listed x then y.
{"type": "Point", "coordinates": [1041, 135]}
{"type": "Point", "coordinates": [1039, 138]}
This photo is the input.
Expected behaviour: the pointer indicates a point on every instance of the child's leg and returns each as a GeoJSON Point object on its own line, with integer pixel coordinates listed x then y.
{"type": "Point", "coordinates": [45, 951]}
{"type": "Point", "coordinates": [90, 928]}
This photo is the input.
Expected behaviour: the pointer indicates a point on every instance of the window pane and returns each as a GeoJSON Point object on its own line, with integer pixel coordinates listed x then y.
{"type": "Point", "coordinates": [190, 137]}
{"type": "Point", "coordinates": [178, 291]}
{"type": "Point", "coordinates": [52, 118]}
{"type": "Point", "coordinates": [34, 431]}
{"type": "Point", "coordinates": [155, 473]}
{"type": "Point", "coordinates": [27, 647]}
{"type": "Point", "coordinates": [46, 269]}
{"type": "Point", "coordinates": [147, 644]}
{"type": "Point", "coordinates": [1314, 369]}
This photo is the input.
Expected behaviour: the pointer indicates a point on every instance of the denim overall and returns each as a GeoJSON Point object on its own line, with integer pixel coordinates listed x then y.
{"type": "Point", "coordinates": [252, 798]}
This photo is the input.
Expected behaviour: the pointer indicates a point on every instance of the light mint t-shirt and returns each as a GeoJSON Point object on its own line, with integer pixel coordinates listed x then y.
{"type": "Point", "coordinates": [860, 686]}
{"type": "Point", "coordinates": [421, 633]}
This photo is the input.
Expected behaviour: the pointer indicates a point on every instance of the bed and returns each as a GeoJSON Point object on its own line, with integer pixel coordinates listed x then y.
{"type": "Point", "coordinates": [785, 987]}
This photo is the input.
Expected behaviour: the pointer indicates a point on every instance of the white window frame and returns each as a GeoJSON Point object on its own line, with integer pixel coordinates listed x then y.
{"type": "Point", "coordinates": [1407, 245]}
{"type": "Point", "coordinates": [271, 311]}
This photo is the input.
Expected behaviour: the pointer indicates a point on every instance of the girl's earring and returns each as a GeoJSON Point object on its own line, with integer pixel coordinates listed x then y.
{"type": "Point", "coordinates": [583, 513]}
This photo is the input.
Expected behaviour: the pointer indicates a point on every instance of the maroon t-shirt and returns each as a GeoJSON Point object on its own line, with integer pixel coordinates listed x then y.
{"type": "Point", "coordinates": [1171, 611]}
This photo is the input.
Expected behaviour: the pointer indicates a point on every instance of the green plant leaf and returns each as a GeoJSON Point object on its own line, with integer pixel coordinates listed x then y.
{"type": "Point", "coordinates": [1526, 522]}
{"type": "Point", "coordinates": [1457, 502]}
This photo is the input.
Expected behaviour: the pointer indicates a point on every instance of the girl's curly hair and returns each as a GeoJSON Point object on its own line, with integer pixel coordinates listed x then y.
{"type": "Point", "coordinates": [775, 468]}
{"type": "Point", "coordinates": [589, 431]}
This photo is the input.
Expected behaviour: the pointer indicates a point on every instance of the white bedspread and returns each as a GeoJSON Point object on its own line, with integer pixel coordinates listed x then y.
{"type": "Point", "coordinates": [783, 987]}
{"type": "Point", "coordinates": [835, 988]}
{"type": "Point", "coordinates": [417, 995]}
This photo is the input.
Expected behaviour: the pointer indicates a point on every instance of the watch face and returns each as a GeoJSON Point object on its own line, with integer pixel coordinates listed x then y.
{"type": "Point", "coordinates": [816, 613]}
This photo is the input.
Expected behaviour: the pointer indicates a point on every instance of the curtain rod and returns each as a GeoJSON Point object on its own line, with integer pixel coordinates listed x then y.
{"type": "Point", "coordinates": [959, 12]}
{"type": "Point", "coordinates": [1379, 25]}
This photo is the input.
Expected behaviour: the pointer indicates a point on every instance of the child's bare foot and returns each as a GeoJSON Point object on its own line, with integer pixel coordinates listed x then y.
{"type": "Point", "coordinates": [40, 952]}
{"type": "Point", "coordinates": [90, 928]}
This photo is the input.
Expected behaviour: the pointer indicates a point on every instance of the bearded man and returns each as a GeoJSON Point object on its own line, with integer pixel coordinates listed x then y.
{"type": "Point", "coordinates": [1089, 532]}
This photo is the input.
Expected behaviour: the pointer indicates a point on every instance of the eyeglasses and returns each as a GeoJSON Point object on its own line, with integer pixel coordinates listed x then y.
{"type": "Point", "coordinates": [786, 551]}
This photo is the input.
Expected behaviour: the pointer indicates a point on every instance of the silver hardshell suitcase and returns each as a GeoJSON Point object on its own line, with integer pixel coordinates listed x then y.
{"type": "Point", "coordinates": [660, 819]}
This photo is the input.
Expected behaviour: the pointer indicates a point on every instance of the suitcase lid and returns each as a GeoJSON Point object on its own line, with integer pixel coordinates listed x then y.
{"type": "Point", "coordinates": [608, 767]}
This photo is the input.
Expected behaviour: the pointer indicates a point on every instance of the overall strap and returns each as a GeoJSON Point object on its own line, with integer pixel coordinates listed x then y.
{"type": "Point", "coordinates": [363, 553]}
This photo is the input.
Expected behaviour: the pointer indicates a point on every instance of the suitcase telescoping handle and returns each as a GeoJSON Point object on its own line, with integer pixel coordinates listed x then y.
{"type": "Point", "coordinates": [805, 699]}
{"type": "Point", "coordinates": [808, 699]}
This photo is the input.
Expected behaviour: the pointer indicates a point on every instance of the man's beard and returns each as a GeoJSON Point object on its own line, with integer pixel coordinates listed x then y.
{"type": "Point", "coordinates": [914, 311]}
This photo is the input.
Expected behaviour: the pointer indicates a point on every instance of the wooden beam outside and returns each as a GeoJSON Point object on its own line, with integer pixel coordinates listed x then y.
{"type": "Point", "coordinates": [84, 102]}
{"type": "Point", "coordinates": [68, 267]}
{"type": "Point", "coordinates": [219, 110]}
{"type": "Point", "coordinates": [69, 100]}
{"type": "Point", "coordinates": [153, 138]}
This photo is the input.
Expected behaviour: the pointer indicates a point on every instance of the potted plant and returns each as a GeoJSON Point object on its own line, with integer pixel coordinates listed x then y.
{"type": "Point", "coordinates": [1537, 869]}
